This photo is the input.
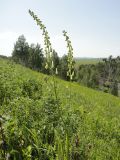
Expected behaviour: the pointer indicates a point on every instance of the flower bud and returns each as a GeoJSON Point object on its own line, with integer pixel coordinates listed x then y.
{"type": "Point", "coordinates": [46, 66]}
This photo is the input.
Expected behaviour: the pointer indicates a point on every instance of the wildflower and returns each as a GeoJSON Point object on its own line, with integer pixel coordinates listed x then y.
{"type": "Point", "coordinates": [52, 66]}
{"type": "Point", "coordinates": [70, 72]}
{"type": "Point", "coordinates": [56, 71]}
{"type": "Point", "coordinates": [46, 66]}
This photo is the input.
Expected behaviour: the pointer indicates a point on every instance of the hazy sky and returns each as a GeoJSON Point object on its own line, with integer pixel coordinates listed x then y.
{"type": "Point", "coordinates": [93, 25]}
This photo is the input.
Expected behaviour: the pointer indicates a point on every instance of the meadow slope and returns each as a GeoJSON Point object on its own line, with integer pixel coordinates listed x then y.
{"type": "Point", "coordinates": [83, 125]}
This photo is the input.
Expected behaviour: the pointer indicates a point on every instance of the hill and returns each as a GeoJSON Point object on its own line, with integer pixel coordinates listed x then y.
{"type": "Point", "coordinates": [80, 61]}
{"type": "Point", "coordinates": [43, 117]}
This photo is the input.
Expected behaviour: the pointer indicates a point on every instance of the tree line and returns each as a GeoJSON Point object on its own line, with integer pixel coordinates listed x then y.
{"type": "Point", "coordinates": [104, 75]}
{"type": "Point", "coordinates": [32, 56]}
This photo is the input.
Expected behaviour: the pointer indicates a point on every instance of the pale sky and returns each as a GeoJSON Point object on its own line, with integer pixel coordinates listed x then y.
{"type": "Point", "coordinates": [93, 25]}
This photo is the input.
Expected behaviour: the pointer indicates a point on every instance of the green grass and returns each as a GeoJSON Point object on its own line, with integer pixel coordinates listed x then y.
{"type": "Point", "coordinates": [82, 124]}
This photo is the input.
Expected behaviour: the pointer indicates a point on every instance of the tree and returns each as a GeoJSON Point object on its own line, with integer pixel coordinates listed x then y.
{"type": "Point", "coordinates": [56, 59]}
{"type": "Point", "coordinates": [36, 57]}
{"type": "Point", "coordinates": [20, 52]}
{"type": "Point", "coordinates": [63, 67]}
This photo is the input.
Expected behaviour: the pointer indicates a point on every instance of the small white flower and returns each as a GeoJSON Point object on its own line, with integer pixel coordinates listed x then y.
{"type": "Point", "coordinates": [52, 66]}
{"type": "Point", "coordinates": [56, 71]}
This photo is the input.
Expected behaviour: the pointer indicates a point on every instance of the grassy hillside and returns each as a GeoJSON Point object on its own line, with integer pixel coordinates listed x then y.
{"type": "Point", "coordinates": [79, 124]}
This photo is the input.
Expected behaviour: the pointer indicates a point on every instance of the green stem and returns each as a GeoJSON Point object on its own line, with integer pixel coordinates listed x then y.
{"type": "Point", "coordinates": [54, 86]}
{"type": "Point", "coordinates": [70, 93]}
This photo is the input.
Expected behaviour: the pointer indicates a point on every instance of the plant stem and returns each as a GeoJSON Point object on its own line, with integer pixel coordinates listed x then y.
{"type": "Point", "coordinates": [54, 86]}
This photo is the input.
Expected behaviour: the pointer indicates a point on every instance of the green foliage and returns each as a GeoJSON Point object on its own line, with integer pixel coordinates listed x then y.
{"type": "Point", "coordinates": [36, 125]}
{"type": "Point", "coordinates": [20, 53]}
{"type": "Point", "coordinates": [88, 75]}
{"type": "Point", "coordinates": [32, 89]}
{"type": "Point", "coordinates": [103, 76]}
{"type": "Point", "coordinates": [63, 67]}
{"type": "Point", "coordinates": [36, 58]}
{"type": "Point", "coordinates": [29, 56]}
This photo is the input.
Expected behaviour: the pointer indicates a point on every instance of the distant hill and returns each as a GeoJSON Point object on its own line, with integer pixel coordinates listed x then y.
{"type": "Point", "coordinates": [2, 56]}
{"type": "Point", "coordinates": [83, 60]}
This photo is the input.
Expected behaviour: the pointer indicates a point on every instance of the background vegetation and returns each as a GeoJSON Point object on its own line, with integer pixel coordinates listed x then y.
{"type": "Point", "coordinates": [100, 74]}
